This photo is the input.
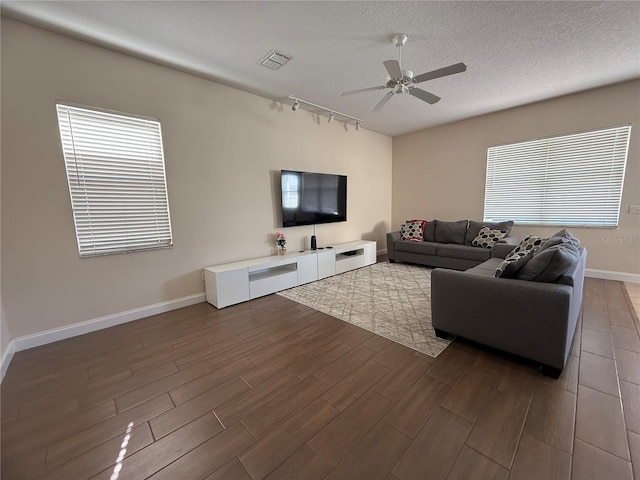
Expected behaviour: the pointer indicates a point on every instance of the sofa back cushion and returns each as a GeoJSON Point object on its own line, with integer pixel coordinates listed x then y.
{"type": "Point", "coordinates": [430, 231]}
{"type": "Point", "coordinates": [474, 229]}
{"type": "Point", "coordinates": [554, 259]}
{"type": "Point", "coordinates": [451, 232]}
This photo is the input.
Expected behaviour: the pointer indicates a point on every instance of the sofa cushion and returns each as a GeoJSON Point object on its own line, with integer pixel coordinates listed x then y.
{"type": "Point", "coordinates": [463, 252]}
{"type": "Point", "coordinates": [474, 229]}
{"type": "Point", "coordinates": [550, 264]}
{"type": "Point", "coordinates": [412, 230]}
{"type": "Point", "coordinates": [561, 237]}
{"type": "Point", "coordinates": [451, 232]}
{"type": "Point", "coordinates": [487, 237]}
{"type": "Point", "coordinates": [430, 231]}
{"type": "Point", "coordinates": [423, 248]}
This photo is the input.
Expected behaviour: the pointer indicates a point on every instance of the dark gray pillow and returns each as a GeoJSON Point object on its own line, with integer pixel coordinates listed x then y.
{"type": "Point", "coordinates": [475, 227]}
{"type": "Point", "coordinates": [451, 232]}
{"type": "Point", "coordinates": [430, 231]}
{"type": "Point", "coordinates": [563, 237]}
{"type": "Point", "coordinates": [550, 264]}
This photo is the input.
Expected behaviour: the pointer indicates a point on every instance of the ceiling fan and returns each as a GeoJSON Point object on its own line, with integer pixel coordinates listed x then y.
{"type": "Point", "coordinates": [402, 81]}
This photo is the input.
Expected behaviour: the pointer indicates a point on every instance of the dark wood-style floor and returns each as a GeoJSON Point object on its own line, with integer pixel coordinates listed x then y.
{"type": "Point", "coordinates": [272, 389]}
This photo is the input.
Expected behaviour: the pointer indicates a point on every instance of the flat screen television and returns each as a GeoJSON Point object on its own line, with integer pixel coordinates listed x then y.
{"type": "Point", "coordinates": [312, 198]}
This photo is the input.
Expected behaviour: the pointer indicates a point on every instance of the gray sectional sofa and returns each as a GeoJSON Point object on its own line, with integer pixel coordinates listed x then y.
{"type": "Point", "coordinates": [449, 245]}
{"type": "Point", "coordinates": [530, 311]}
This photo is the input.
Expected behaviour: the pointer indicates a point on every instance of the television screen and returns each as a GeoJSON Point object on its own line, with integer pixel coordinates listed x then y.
{"type": "Point", "coordinates": [312, 198]}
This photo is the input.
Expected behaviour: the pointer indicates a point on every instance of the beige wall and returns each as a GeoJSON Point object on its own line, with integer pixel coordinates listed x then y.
{"type": "Point", "coordinates": [223, 148]}
{"type": "Point", "coordinates": [440, 172]}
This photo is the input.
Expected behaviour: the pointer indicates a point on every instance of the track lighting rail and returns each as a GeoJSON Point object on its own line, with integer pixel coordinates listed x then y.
{"type": "Point", "coordinates": [331, 113]}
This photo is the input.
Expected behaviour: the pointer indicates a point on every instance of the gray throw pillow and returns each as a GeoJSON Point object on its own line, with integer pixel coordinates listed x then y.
{"type": "Point", "coordinates": [430, 231]}
{"type": "Point", "coordinates": [451, 232]}
{"type": "Point", "coordinates": [475, 227]}
{"type": "Point", "coordinates": [563, 237]}
{"type": "Point", "coordinates": [550, 264]}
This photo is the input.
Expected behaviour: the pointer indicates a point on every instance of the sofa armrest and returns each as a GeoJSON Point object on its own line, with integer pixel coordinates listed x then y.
{"type": "Point", "coordinates": [392, 238]}
{"type": "Point", "coordinates": [530, 319]}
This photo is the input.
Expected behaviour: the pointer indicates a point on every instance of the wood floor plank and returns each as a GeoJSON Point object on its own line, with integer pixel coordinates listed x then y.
{"type": "Point", "coordinates": [392, 355]}
{"type": "Point", "coordinates": [599, 373]}
{"type": "Point", "coordinates": [209, 456]}
{"type": "Point", "coordinates": [289, 401]}
{"type": "Point", "coordinates": [281, 442]}
{"type": "Point", "coordinates": [414, 409]}
{"type": "Point", "coordinates": [452, 363]}
{"type": "Point", "coordinates": [206, 382]}
{"type": "Point", "coordinates": [374, 456]}
{"type": "Point", "coordinates": [592, 463]}
{"type": "Point", "coordinates": [164, 451]}
{"type": "Point", "coordinates": [347, 390]}
{"type": "Point", "coordinates": [344, 365]}
{"type": "Point", "coordinates": [470, 464]}
{"type": "Point", "coordinates": [551, 417]}
{"type": "Point", "coordinates": [102, 457]}
{"type": "Point", "coordinates": [338, 438]}
{"type": "Point", "coordinates": [403, 376]}
{"type": "Point", "coordinates": [303, 464]}
{"type": "Point", "coordinates": [631, 403]}
{"type": "Point", "coordinates": [245, 403]}
{"type": "Point", "coordinates": [628, 364]}
{"type": "Point", "coordinates": [634, 447]}
{"type": "Point", "coordinates": [597, 342]}
{"type": "Point", "coordinates": [158, 387]}
{"type": "Point", "coordinates": [99, 433]}
{"type": "Point", "coordinates": [600, 421]}
{"type": "Point", "coordinates": [190, 410]}
{"type": "Point", "coordinates": [536, 459]}
{"type": "Point", "coordinates": [626, 338]}
{"type": "Point", "coordinates": [435, 449]}
{"type": "Point", "coordinates": [497, 431]}
{"type": "Point", "coordinates": [231, 471]}
{"type": "Point", "coordinates": [319, 359]}
{"type": "Point", "coordinates": [470, 396]}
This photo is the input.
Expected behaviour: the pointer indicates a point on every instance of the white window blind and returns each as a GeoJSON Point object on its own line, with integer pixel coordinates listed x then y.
{"type": "Point", "coordinates": [117, 183]}
{"type": "Point", "coordinates": [568, 180]}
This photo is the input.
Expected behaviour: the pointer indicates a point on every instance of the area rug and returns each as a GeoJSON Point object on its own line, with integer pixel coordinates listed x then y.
{"type": "Point", "coordinates": [390, 299]}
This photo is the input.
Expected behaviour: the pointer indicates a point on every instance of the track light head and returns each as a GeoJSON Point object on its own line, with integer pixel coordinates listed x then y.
{"type": "Point", "coordinates": [330, 117]}
{"type": "Point", "coordinates": [358, 125]}
{"type": "Point", "coordinates": [295, 106]}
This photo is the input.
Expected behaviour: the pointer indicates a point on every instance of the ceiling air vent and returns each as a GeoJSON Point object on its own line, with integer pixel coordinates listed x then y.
{"type": "Point", "coordinates": [274, 60]}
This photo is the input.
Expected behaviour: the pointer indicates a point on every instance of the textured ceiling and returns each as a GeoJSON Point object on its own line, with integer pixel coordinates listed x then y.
{"type": "Point", "coordinates": [516, 52]}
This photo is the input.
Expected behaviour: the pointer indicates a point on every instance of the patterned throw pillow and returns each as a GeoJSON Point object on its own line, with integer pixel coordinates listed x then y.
{"type": "Point", "coordinates": [519, 256]}
{"type": "Point", "coordinates": [512, 263]}
{"type": "Point", "coordinates": [487, 237]}
{"type": "Point", "coordinates": [413, 230]}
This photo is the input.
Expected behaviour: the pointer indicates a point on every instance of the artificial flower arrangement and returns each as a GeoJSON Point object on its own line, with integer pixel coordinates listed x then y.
{"type": "Point", "coordinates": [281, 240]}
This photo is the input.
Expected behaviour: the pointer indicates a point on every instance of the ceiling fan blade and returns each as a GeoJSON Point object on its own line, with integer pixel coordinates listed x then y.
{"type": "Point", "coordinates": [393, 68]}
{"type": "Point", "coordinates": [384, 100]}
{"type": "Point", "coordinates": [441, 72]}
{"type": "Point", "coordinates": [362, 90]}
{"type": "Point", "coordinates": [424, 95]}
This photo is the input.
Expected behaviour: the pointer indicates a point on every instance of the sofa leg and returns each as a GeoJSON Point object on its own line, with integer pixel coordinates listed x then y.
{"type": "Point", "coordinates": [392, 261]}
{"type": "Point", "coordinates": [443, 334]}
{"type": "Point", "coordinates": [552, 372]}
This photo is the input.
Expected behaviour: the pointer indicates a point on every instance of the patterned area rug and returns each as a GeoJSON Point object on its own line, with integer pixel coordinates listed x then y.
{"type": "Point", "coordinates": [390, 299]}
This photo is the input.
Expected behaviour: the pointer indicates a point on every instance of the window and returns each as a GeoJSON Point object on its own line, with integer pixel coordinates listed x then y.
{"type": "Point", "coordinates": [569, 180]}
{"type": "Point", "coordinates": [116, 176]}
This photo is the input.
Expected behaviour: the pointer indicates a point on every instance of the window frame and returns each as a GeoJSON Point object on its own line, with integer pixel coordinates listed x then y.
{"type": "Point", "coordinates": [562, 184]}
{"type": "Point", "coordinates": [116, 177]}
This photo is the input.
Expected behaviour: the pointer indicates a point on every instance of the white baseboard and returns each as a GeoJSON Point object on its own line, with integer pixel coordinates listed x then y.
{"type": "Point", "coordinates": [610, 275]}
{"type": "Point", "coordinates": [55, 334]}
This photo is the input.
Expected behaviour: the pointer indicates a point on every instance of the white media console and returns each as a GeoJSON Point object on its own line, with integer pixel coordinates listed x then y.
{"type": "Point", "coordinates": [241, 281]}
